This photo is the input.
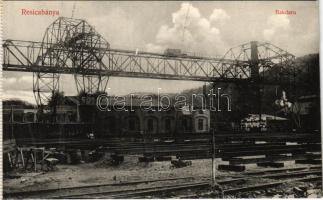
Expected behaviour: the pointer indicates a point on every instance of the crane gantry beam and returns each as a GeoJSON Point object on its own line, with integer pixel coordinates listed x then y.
{"type": "Point", "coordinates": [72, 46]}
{"type": "Point", "coordinates": [22, 56]}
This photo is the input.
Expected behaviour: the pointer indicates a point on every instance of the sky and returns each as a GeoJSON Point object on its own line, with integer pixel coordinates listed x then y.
{"type": "Point", "coordinates": [206, 28]}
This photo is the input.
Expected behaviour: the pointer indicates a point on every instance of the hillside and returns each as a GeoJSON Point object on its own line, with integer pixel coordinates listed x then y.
{"type": "Point", "coordinates": [307, 82]}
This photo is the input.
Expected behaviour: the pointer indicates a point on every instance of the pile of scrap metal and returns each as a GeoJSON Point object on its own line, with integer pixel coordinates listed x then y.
{"type": "Point", "coordinates": [28, 158]}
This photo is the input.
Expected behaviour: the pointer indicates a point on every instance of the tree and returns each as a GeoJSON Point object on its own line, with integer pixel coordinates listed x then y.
{"type": "Point", "coordinates": [18, 102]}
{"type": "Point", "coordinates": [56, 100]}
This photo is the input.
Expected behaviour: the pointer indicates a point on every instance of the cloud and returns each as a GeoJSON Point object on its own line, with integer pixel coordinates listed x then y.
{"type": "Point", "coordinates": [219, 15]}
{"type": "Point", "coordinates": [154, 47]}
{"type": "Point", "coordinates": [23, 82]}
{"type": "Point", "coordinates": [278, 21]}
{"type": "Point", "coordinates": [278, 25]}
{"type": "Point", "coordinates": [117, 27]}
{"type": "Point", "coordinates": [191, 32]}
{"type": "Point", "coordinates": [19, 94]}
{"type": "Point", "coordinates": [11, 80]}
{"type": "Point", "coordinates": [269, 33]}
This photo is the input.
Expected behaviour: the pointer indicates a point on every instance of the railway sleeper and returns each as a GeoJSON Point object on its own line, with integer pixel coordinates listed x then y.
{"type": "Point", "coordinates": [271, 164]}
{"type": "Point", "coordinates": [271, 158]}
{"type": "Point", "coordinates": [117, 159]}
{"type": "Point", "coordinates": [309, 161]}
{"type": "Point", "coordinates": [263, 152]}
{"type": "Point", "coordinates": [235, 168]}
{"type": "Point", "coordinates": [268, 146]}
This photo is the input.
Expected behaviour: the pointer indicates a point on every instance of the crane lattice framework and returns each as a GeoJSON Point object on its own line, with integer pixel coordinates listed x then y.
{"type": "Point", "coordinates": [72, 46]}
{"type": "Point", "coordinates": [259, 58]}
{"type": "Point", "coordinates": [70, 43]}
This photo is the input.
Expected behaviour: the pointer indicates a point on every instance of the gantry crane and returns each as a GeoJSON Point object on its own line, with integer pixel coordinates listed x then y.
{"type": "Point", "coordinates": [72, 46]}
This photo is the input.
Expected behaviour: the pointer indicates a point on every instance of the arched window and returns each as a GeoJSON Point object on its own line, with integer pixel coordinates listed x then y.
{"type": "Point", "coordinates": [167, 124]}
{"type": "Point", "coordinates": [29, 117]}
{"type": "Point", "coordinates": [200, 124]}
{"type": "Point", "coordinates": [111, 122]}
{"type": "Point", "coordinates": [150, 124]}
{"type": "Point", "coordinates": [186, 123]}
{"type": "Point", "coordinates": [131, 124]}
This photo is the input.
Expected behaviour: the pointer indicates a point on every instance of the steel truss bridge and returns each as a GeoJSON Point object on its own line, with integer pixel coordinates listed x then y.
{"type": "Point", "coordinates": [72, 46]}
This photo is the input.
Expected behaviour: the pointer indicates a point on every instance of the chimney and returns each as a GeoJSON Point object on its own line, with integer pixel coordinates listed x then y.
{"type": "Point", "coordinates": [254, 60]}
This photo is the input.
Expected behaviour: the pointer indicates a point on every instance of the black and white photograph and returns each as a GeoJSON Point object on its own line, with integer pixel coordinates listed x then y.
{"type": "Point", "coordinates": [160, 99]}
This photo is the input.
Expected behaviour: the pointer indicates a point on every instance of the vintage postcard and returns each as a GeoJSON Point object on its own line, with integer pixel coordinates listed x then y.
{"type": "Point", "coordinates": [161, 99]}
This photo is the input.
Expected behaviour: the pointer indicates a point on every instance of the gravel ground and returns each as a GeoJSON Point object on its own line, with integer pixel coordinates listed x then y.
{"type": "Point", "coordinates": [103, 172]}
{"type": "Point", "coordinates": [131, 170]}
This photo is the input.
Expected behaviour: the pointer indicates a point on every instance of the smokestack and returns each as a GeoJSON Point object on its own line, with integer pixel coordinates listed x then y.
{"type": "Point", "coordinates": [254, 60]}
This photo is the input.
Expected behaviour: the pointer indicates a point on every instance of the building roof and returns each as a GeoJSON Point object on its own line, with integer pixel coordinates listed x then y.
{"type": "Point", "coordinates": [134, 101]}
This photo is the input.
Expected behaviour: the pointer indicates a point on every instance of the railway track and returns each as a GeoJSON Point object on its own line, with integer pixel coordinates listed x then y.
{"type": "Point", "coordinates": [231, 185]}
{"type": "Point", "coordinates": [240, 185]}
{"type": "Point", "coordinates": [231, 191]}
{"type": "Point", "coordinates": [191, 149]}
{"type": "Point", "coordinates": [52, 192]}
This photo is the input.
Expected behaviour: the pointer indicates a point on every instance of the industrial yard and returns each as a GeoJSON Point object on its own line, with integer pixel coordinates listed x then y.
{"type": "Point", "coordinates": [242, 124]}
{"type": "Point", "coordinates": [158, 175]}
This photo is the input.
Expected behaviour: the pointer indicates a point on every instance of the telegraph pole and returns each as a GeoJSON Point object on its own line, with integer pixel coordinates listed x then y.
{"type": "Point", "coordinates": [213, 159]}
{"type": "Point", "coordinates": [254, 65]}
{"type": "Point", "coordinates": [214, 184]}
{"type": "Point", "coordinates": [212, 125]}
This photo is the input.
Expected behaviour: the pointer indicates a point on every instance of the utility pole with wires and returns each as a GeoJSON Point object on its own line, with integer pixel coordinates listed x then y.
{"type": "Point", "coordinates": [73, 10]}
{"type": "Point", "coordinates": [213, 158]}
{"type": "Point", "coordinates": [214, 185]}
{"type": "Point", "coordinates": [184, 24]}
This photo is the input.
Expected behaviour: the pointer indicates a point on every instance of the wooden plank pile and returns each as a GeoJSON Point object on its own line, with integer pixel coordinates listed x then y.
{"type": "Point", "coordinates": [267, 149]}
